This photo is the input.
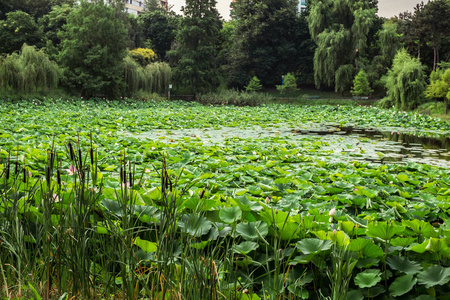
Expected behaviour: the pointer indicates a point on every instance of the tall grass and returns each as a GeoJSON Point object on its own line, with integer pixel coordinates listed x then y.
{"type": "Point", "coordinates": [29, 70]}
{"type": "Point", "coordinates": [70, 233]}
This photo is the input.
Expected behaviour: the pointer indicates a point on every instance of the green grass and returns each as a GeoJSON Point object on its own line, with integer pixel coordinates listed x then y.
{"type": "Point", "coordinates": [435, 109]}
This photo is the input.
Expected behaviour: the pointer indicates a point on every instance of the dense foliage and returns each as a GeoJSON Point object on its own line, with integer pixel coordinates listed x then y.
{"type": "Point", "coordinates": [340, 29]}
{"type": "Point", "coordinates": [265, 41]}
{"type": "Point", "coordinates": [196, 48]}
{"type": "Point", "coordinates": [93, 49]}
{"type": "Point", "coordinates": [329, 43]}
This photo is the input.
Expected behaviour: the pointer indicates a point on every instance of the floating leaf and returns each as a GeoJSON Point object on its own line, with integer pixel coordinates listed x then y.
{"type": "Point", "coordinates": [146, 246]}
{"type": "Point", "coordinates": [355, 295]}
{"type": "Point", "coordinates": [195, 225]}
{"type": "Point", "coordinates": [383, 230]}
{"type": "Point", "coordinates": [403, 265]}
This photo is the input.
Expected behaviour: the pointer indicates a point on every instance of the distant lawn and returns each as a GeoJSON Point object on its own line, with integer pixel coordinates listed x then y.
{"type": "Point", "coordinates": [434, 109]}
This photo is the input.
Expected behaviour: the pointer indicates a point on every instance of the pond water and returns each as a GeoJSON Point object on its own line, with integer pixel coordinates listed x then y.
{"type": "Point", "coordinates": [390, 145]}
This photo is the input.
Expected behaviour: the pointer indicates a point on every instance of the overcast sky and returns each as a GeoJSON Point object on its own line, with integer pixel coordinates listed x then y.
{"type": "Point", "coordinates": [386, 8]}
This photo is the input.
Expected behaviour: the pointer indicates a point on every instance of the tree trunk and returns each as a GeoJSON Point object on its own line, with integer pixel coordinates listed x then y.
{"type": "Point", "coordinates": [435, 57]}
{"type": "Point", "coordinates": [446, 105]}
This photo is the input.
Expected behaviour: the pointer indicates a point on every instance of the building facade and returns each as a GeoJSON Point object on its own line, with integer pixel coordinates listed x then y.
{"type": "Point", "coordinates": [136, 7]}
{"type": "Point", "coordinates": [302, 5]}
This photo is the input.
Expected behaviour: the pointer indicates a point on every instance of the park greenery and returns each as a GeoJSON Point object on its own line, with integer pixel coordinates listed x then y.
{"type": "Point", "coordinates": [255, 190]}
{"type": "Point", "coordinates": [325, 46]}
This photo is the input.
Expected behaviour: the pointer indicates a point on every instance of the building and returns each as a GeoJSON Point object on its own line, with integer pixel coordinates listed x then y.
{"type": "Point", "coordinates": [301, 5]}
{"type": "Point", "coordinates": [136, 7]}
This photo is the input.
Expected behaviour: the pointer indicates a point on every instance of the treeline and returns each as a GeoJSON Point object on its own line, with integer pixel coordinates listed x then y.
{"type": "Point", "coordinates": [339, 45]}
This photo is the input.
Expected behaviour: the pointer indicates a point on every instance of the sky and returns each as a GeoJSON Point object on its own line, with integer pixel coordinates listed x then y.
{"type": "Point", "coordinates": [386, 8]}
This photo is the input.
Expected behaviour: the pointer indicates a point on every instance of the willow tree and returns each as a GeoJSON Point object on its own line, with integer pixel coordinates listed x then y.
{"type": "Point", "coordinates": [152, 78]}
{"type": "Point", "coordinates": [405, 82]}
{"type": "Point", "coordinates": [439, 87]}
{"type": "Point", "coordinates": [29, 70]}
{"type": "Point", "coordinates": [340, 29]}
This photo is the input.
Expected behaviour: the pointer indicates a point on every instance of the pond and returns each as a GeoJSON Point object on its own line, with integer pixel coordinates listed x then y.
{"type": "Point", "coordinates": [390, 145]}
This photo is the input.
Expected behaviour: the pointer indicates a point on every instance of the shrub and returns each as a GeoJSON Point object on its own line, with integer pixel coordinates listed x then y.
{"type": "Point", "coordinates": [143, 56]}
{"type": "Point", "coordinates": [289, 84]}
{"type": "Point", "coordinates": [361, 85]}
{"type": "Point", "coordinates": [254, 85]}
{"type": "Point", "coordinates": [234, 97]}
{"type": "Point", "coordinates": [29, 70]}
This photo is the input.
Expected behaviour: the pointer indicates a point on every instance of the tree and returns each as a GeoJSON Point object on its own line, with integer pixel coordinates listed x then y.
{"type": "Point", "coordinates": [197, 45]}
{"type": "Point", "coordinates": [361, 85]}
{"type": "Point", "coordinates": [433, 22]}
{"type": "Point", "coordinates": [158, 30]}
{"type": "Point", "coordinates": [28, 70]}
{"type": "Point", "coordinates": [266, 41]}
{"type": "Point", "coordinates": [340, 30]}
{"type": "Point", "coordinates": [386, 47]}
{"type": "Point", "coordinates": [405, 82]}
{"type": "Point", "coordinates": [154, 5]}
{"type": "Point", "coordinates": [254, 85]}
{"type": "Point", "coordinates": [19, 28]}
{"type": "Point", "coordinates": [51, 26]}
{"type": "Point", "coordinates": [439, 86]}
{"type": "Point", "coordinates": [93, 49]}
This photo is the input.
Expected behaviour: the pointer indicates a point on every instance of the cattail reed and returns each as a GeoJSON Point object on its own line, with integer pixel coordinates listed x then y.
{"type": "Point", "coordinates": [130, 174]}
{"type": "Point", "coordinates": [91, 151]}
{"type": "Point", "coordinates": [80, 158]}
{"type": "Point", "coordinates": [52, 159]}
{"type": "Point", "coordinates": [7, 171]}
{"type": "Point", "coordinates": [72, 153]}
{"type": "Point", "coordinates": [24, 175]}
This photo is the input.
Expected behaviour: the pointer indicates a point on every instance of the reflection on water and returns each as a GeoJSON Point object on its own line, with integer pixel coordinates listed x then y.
{"type": "Point", "coordinates": [337, 143]}
{"type": "Point", "coordinates": [388, 146]}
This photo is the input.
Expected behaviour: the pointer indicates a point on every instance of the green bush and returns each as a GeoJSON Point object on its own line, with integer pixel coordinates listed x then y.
{"type": "Point", "coordinates": [361, 85]}
{"type": "Point", "coordinates": [233, 97]}
{"type": "Point", "coordinates": [289, 84]}
{"type": "Point", "coordinates": [254, 85]}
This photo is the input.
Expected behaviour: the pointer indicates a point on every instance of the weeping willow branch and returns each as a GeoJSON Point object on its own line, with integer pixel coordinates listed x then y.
{"type": "Point", "coordinates": [154, 78]}
{"type": "Point", "coordinates": [29, 70]}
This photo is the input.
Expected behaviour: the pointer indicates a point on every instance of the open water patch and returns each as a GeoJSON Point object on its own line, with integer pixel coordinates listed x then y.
{"type": "Point", "coordinates": [390, 145]}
